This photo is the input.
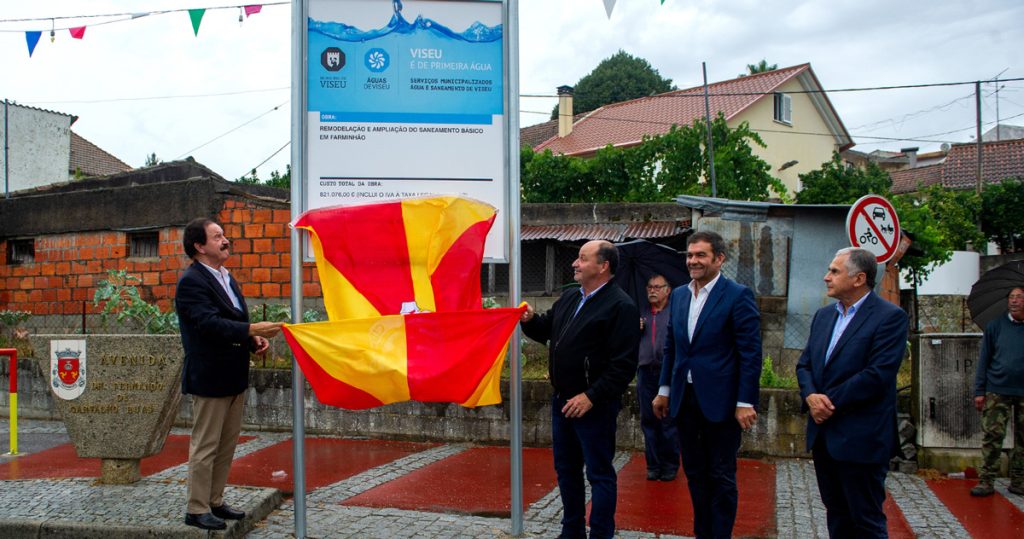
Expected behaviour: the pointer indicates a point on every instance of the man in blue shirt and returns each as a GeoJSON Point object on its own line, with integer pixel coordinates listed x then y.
{"type": "Point", "coordinates": [847, 376]}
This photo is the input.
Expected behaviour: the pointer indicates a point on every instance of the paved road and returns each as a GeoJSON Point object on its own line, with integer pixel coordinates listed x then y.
{"type": "Point", "coordinates": [79, 507]}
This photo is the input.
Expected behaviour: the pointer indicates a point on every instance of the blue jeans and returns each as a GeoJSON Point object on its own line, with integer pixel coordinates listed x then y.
{"type": "Point", "coordinates": [586, 440]}
{"type": "Point", "coordinates": [661, 438]}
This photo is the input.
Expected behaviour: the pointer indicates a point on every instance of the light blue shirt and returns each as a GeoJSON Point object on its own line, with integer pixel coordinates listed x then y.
{"type": "Point", "coordinates": [585, 298]}
{"type": "Point", "coordinates": [845, 317]}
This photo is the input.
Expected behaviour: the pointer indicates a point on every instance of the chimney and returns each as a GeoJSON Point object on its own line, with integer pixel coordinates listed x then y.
{"type": "Point", "coordinates": [564, 111]}
{"type": "Point", "coordinates": [911, 154]}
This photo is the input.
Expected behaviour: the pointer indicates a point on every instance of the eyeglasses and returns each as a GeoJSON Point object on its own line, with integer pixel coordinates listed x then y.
{"type": "Point", "coordinates": [656, 286]}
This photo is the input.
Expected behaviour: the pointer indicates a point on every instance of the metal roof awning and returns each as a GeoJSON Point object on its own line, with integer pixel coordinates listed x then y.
{"type": "Point", "coordinates": [613, 232]}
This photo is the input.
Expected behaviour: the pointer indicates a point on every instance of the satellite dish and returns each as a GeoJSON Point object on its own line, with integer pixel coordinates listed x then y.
{"type": "Point", "coordinates": [944, 146]}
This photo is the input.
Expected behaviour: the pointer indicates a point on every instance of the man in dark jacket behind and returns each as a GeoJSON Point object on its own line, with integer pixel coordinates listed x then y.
{"type": "Point", "coordinates": [593, 335]}
{"type": "Point", "coordinates": [217, 338]}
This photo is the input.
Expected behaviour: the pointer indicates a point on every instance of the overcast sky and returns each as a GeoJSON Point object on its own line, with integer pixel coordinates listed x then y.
{"type": "Point", "coordinates": [129, 82]}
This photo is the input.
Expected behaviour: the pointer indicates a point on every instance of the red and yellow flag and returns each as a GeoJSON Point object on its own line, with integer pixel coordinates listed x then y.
{"type": "Point", "coordinates": [401, 284]}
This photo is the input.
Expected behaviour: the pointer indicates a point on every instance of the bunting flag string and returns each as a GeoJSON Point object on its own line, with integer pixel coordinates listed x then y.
{"type": "Point", "coordinates": [78, 32]}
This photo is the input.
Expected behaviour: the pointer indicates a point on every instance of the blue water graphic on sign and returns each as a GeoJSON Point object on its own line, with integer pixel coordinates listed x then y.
{"type": "Point", "coordinates": [420, 71]}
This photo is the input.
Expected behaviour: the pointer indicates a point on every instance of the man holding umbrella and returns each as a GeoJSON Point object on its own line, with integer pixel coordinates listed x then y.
{"type": "Point", "coordinates": [999, 391]}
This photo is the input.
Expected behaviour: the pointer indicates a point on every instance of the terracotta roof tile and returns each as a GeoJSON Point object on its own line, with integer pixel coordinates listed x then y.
{"type": "Point", "coordinates": [91, 160]}
{"type": "Point", "coordinates": [614, 232]}
{"type": "Point", "coordinates": [626, 123]}
{"type": "Point", "coordinates": [1000, 161]}
{"type": "Point", "coordinates": [907, 180]}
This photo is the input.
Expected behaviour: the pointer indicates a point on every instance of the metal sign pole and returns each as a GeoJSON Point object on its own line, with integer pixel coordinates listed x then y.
{"type": "Point", "coordinates": [514, 263]}
{"type": "Point", "coordinates": [300, 9]}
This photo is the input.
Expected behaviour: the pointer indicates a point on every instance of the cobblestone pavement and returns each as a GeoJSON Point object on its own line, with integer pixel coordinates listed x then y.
{"type": "Point", "coordinates": [154, 506]}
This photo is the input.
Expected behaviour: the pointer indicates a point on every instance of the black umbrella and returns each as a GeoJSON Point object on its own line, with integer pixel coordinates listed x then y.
{"type": "Point", "coordinates": [641, 259]}
{"type": "Point", "coordinates": [988, 296]}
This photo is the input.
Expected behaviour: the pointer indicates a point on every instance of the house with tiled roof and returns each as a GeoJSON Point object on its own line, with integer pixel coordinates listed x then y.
{"type": "Point", "coordinates": [999, 161]}
{"type": "Point", "coordinates": [787, 107]}
{"type": "Point", "coordinates": [88, 159]}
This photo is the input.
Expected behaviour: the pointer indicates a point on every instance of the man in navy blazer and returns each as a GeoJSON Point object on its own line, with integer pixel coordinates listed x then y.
{"type": "Point", "coordinates": [709, 380]}
{"type": "Point", "coordinates": [217, 338]}
{"type": "Point", "coordinates": [847, 376]}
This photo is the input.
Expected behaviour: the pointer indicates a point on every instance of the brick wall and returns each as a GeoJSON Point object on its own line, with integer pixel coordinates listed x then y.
{"type": "Point", "coordinates": [68, 267]}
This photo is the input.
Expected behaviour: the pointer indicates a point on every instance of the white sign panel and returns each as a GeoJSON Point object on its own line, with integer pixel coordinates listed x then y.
{"type": "Point", "coordinates": [406, 99]}
{"type": "Point", "coordinates": [67, 368]}
{"type": "Point", "coordinates": [872, 224]}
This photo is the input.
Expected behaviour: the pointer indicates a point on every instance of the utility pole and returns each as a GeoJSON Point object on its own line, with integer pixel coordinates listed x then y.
{"type": "Point", "coordinates": [977, 129]}
{"type": "Point", "coordinates": [711, 142]}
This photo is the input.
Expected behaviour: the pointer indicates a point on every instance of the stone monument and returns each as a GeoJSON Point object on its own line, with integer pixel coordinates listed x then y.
{"type": "Point", "coordinates": [117, 394]}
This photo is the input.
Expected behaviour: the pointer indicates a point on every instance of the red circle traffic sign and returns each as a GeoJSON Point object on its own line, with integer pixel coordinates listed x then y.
{"type": "Point", "coordinates": [872, 224]}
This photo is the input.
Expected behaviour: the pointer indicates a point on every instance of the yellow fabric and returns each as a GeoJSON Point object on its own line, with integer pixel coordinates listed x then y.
{"type": "Point", "coordinates": [368, 354]}
{"type": "Point", "coordinates": [489, 390]}
{"type": "Point", "coordinates": [432, 226]}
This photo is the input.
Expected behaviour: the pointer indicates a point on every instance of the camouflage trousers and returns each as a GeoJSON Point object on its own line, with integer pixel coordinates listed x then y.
{"type": "Point", "coordinates": [994, 417]}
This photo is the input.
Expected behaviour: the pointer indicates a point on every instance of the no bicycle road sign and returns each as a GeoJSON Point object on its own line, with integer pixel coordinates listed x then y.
{"type": "Point", "coordinates": [872, 224]}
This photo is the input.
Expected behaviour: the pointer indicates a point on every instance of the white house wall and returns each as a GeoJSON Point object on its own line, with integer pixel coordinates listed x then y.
{"type": "Point", "coordinates": [39, 147]}
{"type": "Point", "coordinates": [954, 278]}
{"type": "Point", "coordinates": [807, 141]}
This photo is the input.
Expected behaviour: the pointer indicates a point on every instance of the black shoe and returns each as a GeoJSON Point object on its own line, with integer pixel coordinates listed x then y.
{"type": "Point", "coordinates": [205, 521]}
{"type": "Point", "coordinates": [653, 475]}
{"type": "Point", "coordinates": [668, 476]}
{"type": "Point", "coordinates": [227, 512]}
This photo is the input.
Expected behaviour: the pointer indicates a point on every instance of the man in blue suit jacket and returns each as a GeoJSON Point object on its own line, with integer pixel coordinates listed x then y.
{"type": "Point", "coordinates": [847, 376]}
{"type": "Point", "coordinates": [217, 338]}
{"type": "Point", "coordinates": [709, 380]}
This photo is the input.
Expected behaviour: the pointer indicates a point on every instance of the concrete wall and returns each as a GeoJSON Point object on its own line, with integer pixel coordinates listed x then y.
{"type": "Point", "coordinates": [779, 431]}
{"type": "Point", "coordinates": [39, 147]}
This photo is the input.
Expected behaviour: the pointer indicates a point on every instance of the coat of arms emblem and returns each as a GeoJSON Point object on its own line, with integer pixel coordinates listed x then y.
{"type": "Point", "coordinates": [67, 368]}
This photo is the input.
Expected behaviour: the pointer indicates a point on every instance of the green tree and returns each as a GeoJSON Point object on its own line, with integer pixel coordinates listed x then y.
{"type": "Point", "coordinates": [838, 183]}
{"type": "Point", "coordinates": [281, 181]}
{"type": "Point", "coordinates": [620, 77]}
{"type": "Point", "coordinates": [655, 170]}
{"type": "Point", "coordinates": [152, 160]}
{"type": "Point", "coordinates": [942, 221]}
{"type": "Point", "coordinates": [1001, 218]}
{"type": "Point", "coordinates": [760, 67]}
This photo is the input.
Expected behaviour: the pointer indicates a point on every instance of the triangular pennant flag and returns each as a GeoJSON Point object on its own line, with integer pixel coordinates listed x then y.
{"type": "Point", "coordinates": [609, 5]}
{"type": "Point", "coordinates": [252, 10]}
{"type": "Point", "coordinates": [197, 16]}
{"type": "Point", "coordinates": [77, 33]}
{"type": "Point", "coordinates": [32, 38]}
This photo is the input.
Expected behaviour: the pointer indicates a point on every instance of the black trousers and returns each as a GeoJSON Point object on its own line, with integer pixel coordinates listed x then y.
{"type": "Point", "coordinates": [853, 493]}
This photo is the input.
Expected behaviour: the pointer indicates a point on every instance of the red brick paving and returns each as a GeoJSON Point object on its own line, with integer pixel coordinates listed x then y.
{"type": "Point", "coordinates": [475, 481]}
{"type": "Point", "coordinates": [328, 460]}
{"type": "Point", "coordinates": [990, 516]}
{"type": "Point", "coordinates": [62, 462]}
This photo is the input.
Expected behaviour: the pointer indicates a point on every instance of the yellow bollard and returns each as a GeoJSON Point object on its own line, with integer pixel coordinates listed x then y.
{"type": "Point", "coordinates": [14, 424]}
{"type": "Point", "coordinates": [13, 375]}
